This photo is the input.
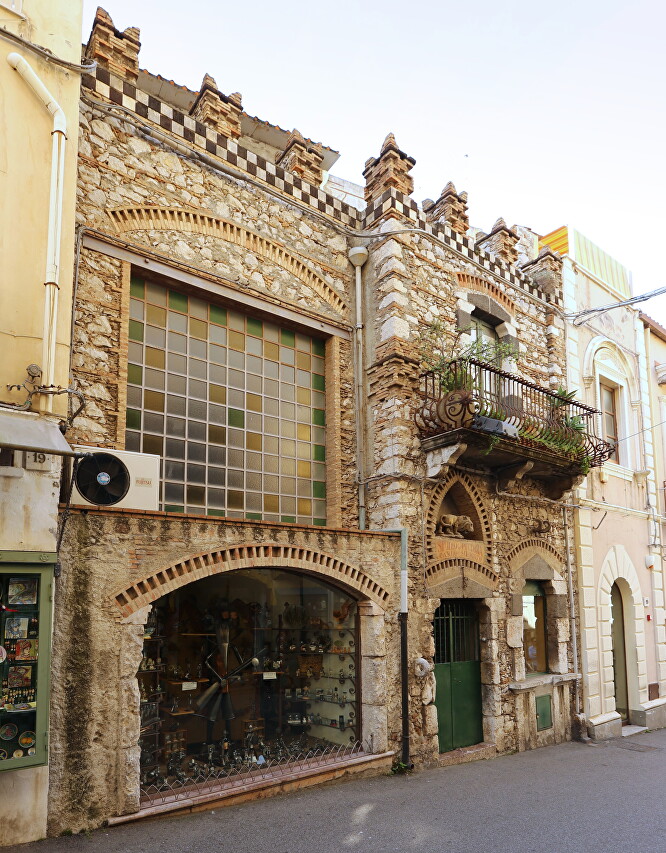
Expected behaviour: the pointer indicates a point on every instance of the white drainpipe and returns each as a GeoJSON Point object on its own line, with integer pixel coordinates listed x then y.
{"type": "Point", "coordinates": [51, 283]}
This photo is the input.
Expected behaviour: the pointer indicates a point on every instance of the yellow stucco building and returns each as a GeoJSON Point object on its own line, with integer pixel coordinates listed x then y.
{"type": "Point", "coordinates": [40, 81]}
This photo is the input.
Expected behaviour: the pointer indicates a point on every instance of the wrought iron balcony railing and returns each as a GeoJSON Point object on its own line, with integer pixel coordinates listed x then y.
{"type": "Point", "coordinates": [473, 395]}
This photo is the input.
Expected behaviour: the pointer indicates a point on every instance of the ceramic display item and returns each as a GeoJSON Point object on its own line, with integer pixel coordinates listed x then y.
{"type": "Point", "coordinates": [3, 754]}
{"type": "Point", "coordinates": [3, 654]}
{"type": "Point", "coordinates": [8, 731]}
{"type": "Point", "coordinates": [27, 739]}
{"type": "Point", "coordinates": [31, 751]}
{"type": "Point", "coordinates": [18, 753]}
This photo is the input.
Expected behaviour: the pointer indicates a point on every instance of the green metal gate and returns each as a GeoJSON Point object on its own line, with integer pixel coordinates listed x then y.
{"type": "Point", "coordinates": [458, 674]}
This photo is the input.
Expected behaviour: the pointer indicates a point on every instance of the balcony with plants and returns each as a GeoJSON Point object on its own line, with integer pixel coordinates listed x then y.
{"type": "Point", "coordinates": [490, 418]}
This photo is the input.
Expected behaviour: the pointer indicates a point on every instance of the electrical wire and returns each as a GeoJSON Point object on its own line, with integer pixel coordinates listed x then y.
{"type": "Point", "coordinates": [580, 317]}
{"type": "Point", "coordinates": [46, 54]}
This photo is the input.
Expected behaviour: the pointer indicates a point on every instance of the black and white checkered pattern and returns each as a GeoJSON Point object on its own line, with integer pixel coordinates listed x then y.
{"type": "Point", "coordinates": [126, 94]}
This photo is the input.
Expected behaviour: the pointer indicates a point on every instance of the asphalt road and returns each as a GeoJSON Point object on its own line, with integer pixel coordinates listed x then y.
{"type": "Point", "coordinates": [572, 798]}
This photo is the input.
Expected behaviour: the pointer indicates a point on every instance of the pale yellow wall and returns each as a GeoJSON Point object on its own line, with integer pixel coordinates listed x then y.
{"type": "Point", "coordinates": [25, 165]}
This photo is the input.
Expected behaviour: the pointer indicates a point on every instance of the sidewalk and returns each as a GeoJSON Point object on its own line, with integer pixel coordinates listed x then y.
{"type": "Point", "coordinates": [571, 798]}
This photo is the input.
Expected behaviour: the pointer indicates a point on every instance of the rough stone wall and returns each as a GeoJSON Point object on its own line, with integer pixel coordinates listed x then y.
{"type": "Point", "coordinates": [97, 651]}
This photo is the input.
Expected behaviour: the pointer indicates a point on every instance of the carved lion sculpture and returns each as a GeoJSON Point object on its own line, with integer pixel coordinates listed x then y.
{"type": "Point", "coordinates": [456, 526]}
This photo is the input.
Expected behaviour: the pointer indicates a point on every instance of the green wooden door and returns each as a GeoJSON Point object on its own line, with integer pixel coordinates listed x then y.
{"type": "Point", "coordinates": [458, 675]}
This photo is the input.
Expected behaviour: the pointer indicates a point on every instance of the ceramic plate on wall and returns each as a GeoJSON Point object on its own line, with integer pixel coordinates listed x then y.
{"type": "Point", "coordinates": [3, 654]}
{"type": "Point", "coordinates": [27, 739]}
{"type": "Point", "coordinates": [8, 731]}
{"type": "Point", "coordinates": [3, 754]}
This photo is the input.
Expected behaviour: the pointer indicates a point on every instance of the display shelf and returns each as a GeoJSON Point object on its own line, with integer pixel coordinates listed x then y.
{"type": "Point", "coordinates": [185, 713]}
{"type": "Point", "coordinates": [149, 671]}
{"type": "Point", "coordinates": [187, 680]}
{"type": "Point", "coordinates": [147, 639]}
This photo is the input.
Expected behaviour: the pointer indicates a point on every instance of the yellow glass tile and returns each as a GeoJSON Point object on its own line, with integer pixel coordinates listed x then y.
{"type": "Point", "coordinates": [271, 351]}
{"type": "Point", "coordinates": [304, 468]}
{"type": "Point", "coordinates": [237, 341]}
{"type": "Point", "coordinates": [155, 357]}
{"type": "Point", "coordinates": [271, 503]}
{"type": "Point", "coordinates": [254, 402]}
{"type": "Point", "coordinates": [303, 396]}
{"type": "Point", "coordinates": [217, 434]}
{"type": "Point", "coordinates": [198, 329]}
{"type": "Point", "coordinates": [303, 432]}
{"type": "Point", "coordinates": [304, 506]}
{"type": "Point", "coordinates": [156, 316]}
{"type": "Point", "coordinates": [217, 394]}
{"type": "Point", "coordinates": [235, 499]}
{"type": "Point", "coordinates": [155, 401]}
{"type": "Point", "coordinates": [303, 360]}
{"type": "Point", "coordinates": [253, 441]}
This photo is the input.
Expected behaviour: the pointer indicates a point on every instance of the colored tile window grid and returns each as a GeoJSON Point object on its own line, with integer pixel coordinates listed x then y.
{"type": "Point", "coordinates": [234, 405]}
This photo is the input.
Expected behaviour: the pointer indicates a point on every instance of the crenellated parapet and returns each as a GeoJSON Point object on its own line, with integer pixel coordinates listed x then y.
{"type": "Point", "coordinates": [216, 110]}
{"type": "Point", "coordinates": [110, 48]}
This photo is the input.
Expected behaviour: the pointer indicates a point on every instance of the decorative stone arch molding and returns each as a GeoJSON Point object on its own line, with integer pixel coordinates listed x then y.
{"type": "Point", "coordinates": [599, 350]}
{"type": "Point", "coordinates": [618, 566]}
{"type": "Point", "coordinates": [476, 284]}
{"type": "Point", "coordinates": [469, 502]}
{"type": "Point", "coordinates": [460, 578]}
{"type": "Point", "coordinates": [534, 559]}
{"type": "Point", "coordinates": [152, 218]}
{"type": "Point", "coordinates": [146, 590]}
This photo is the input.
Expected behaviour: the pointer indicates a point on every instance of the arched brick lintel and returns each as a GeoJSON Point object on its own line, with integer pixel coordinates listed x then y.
{"type": "Point", "coordinates": [519, 555]}
{"type": "Point", "coordinates": [153, 218]}
{"type": "Point", "coordinates": [447, 569]}
{"type": "Point", "coordinates": [146, 590]}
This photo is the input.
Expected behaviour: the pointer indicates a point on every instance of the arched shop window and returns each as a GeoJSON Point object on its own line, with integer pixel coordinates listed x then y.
{"type": "Point", "coordinates": [246, 668]}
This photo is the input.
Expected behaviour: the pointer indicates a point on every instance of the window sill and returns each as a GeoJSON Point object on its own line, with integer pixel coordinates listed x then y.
{"type": "Point", "coordinates": [541, 680]}
{"type": "Point", "coordinates": [619, 471]}
{"type": "Point", "coordinates": [7, 471]}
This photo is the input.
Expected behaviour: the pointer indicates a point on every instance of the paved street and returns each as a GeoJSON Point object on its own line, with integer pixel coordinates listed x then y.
{"type": "Point", "coordinates": [573, 798]}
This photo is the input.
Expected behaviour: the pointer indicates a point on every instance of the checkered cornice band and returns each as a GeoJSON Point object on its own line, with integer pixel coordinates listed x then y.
{"type": "Point", "coordinates": [126, 94]}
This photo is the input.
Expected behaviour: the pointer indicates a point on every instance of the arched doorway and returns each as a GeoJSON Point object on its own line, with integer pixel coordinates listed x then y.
{"type": "Point", "coordinates": [246, 670]}
{"type": "Point", "coordinates": [619, 653]}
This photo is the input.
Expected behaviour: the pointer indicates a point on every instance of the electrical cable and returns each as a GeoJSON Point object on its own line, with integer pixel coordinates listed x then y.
{"type": "Point", "coordinates": [580, 317]}
{"type": "Point", "coordinates": [46, 54]}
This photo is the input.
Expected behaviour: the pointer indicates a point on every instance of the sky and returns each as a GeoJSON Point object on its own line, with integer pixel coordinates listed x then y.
{"type": "Point", "coordinates": [546, 113]}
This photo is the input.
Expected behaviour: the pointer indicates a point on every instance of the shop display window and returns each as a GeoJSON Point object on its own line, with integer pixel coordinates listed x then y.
{"type": "Point", "coordinates": [24, 665]}
{"type": "Point", "coordinates": [246, 669]}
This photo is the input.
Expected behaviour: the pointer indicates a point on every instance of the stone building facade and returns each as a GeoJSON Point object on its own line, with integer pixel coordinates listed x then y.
{"type": "Point", "coordinates": [265, 341]}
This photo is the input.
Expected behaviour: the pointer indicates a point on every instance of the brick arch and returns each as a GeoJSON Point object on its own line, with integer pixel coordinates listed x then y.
{"type": "Point", "coordinates": [152, 218]}
{"type": "Point", "coordinates": [487, 288]}
{"type": "Point", "coordinates": [146, 590]}
{"type": "Point", "coordinates": [471, 504]}
{"type": "Point", "coordinates": [446, 570]}
{"type": "Point", "coordinates": [529, 548]}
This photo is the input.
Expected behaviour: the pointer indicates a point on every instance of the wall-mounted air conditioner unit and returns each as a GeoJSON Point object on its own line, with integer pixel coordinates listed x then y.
{"type": "Point", "coordinates": [117, 478]}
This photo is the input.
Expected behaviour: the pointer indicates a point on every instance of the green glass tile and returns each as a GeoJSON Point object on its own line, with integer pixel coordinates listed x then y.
{"type": "Point", "coordinates": [318, 382]}
{"type": "Point", "coordinates": [218, 315]}
{"type": "Point", "coordinates": [178, 301]}
{"type": "Point", "coordinates": [318, 346]}
{"type": "Point", "coordinates": [255, 327]}
{"type": "Point", "coordinates": [287, 338]}
{"type": "Point", "coordinates": [319, 417]}
{"type": "Point", "coordinates": [137, 288]}
{"type": "Point", "coordinates": [318, 453]}
{"type": "Point", "coordinates": [253, 516]}
{"type": "Point", "coordinates": [134, 374]}
{"type": "Point", "coordinates": [288, 519]}
{"type": "Point", "coordinates": [173, 508]}
{"type": "Point", "coordinates": [320, 522]}
{"type": "Point", "coordinates": [218, 512]}
{"type": "Point", "coordinates": [135, 330]}
{"type": "Point", "coordinates": [318, 489]}
{"type": "Point", "coordinates": [133, 419]}
{"type": "Point", "coordinates": [236, 418]}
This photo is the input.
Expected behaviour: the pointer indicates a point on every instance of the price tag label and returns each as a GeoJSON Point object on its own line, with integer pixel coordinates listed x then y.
{"type": "Point", "coordinates": [189, 685]}
{"type": "Point", "coordinates": [270, 676]}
